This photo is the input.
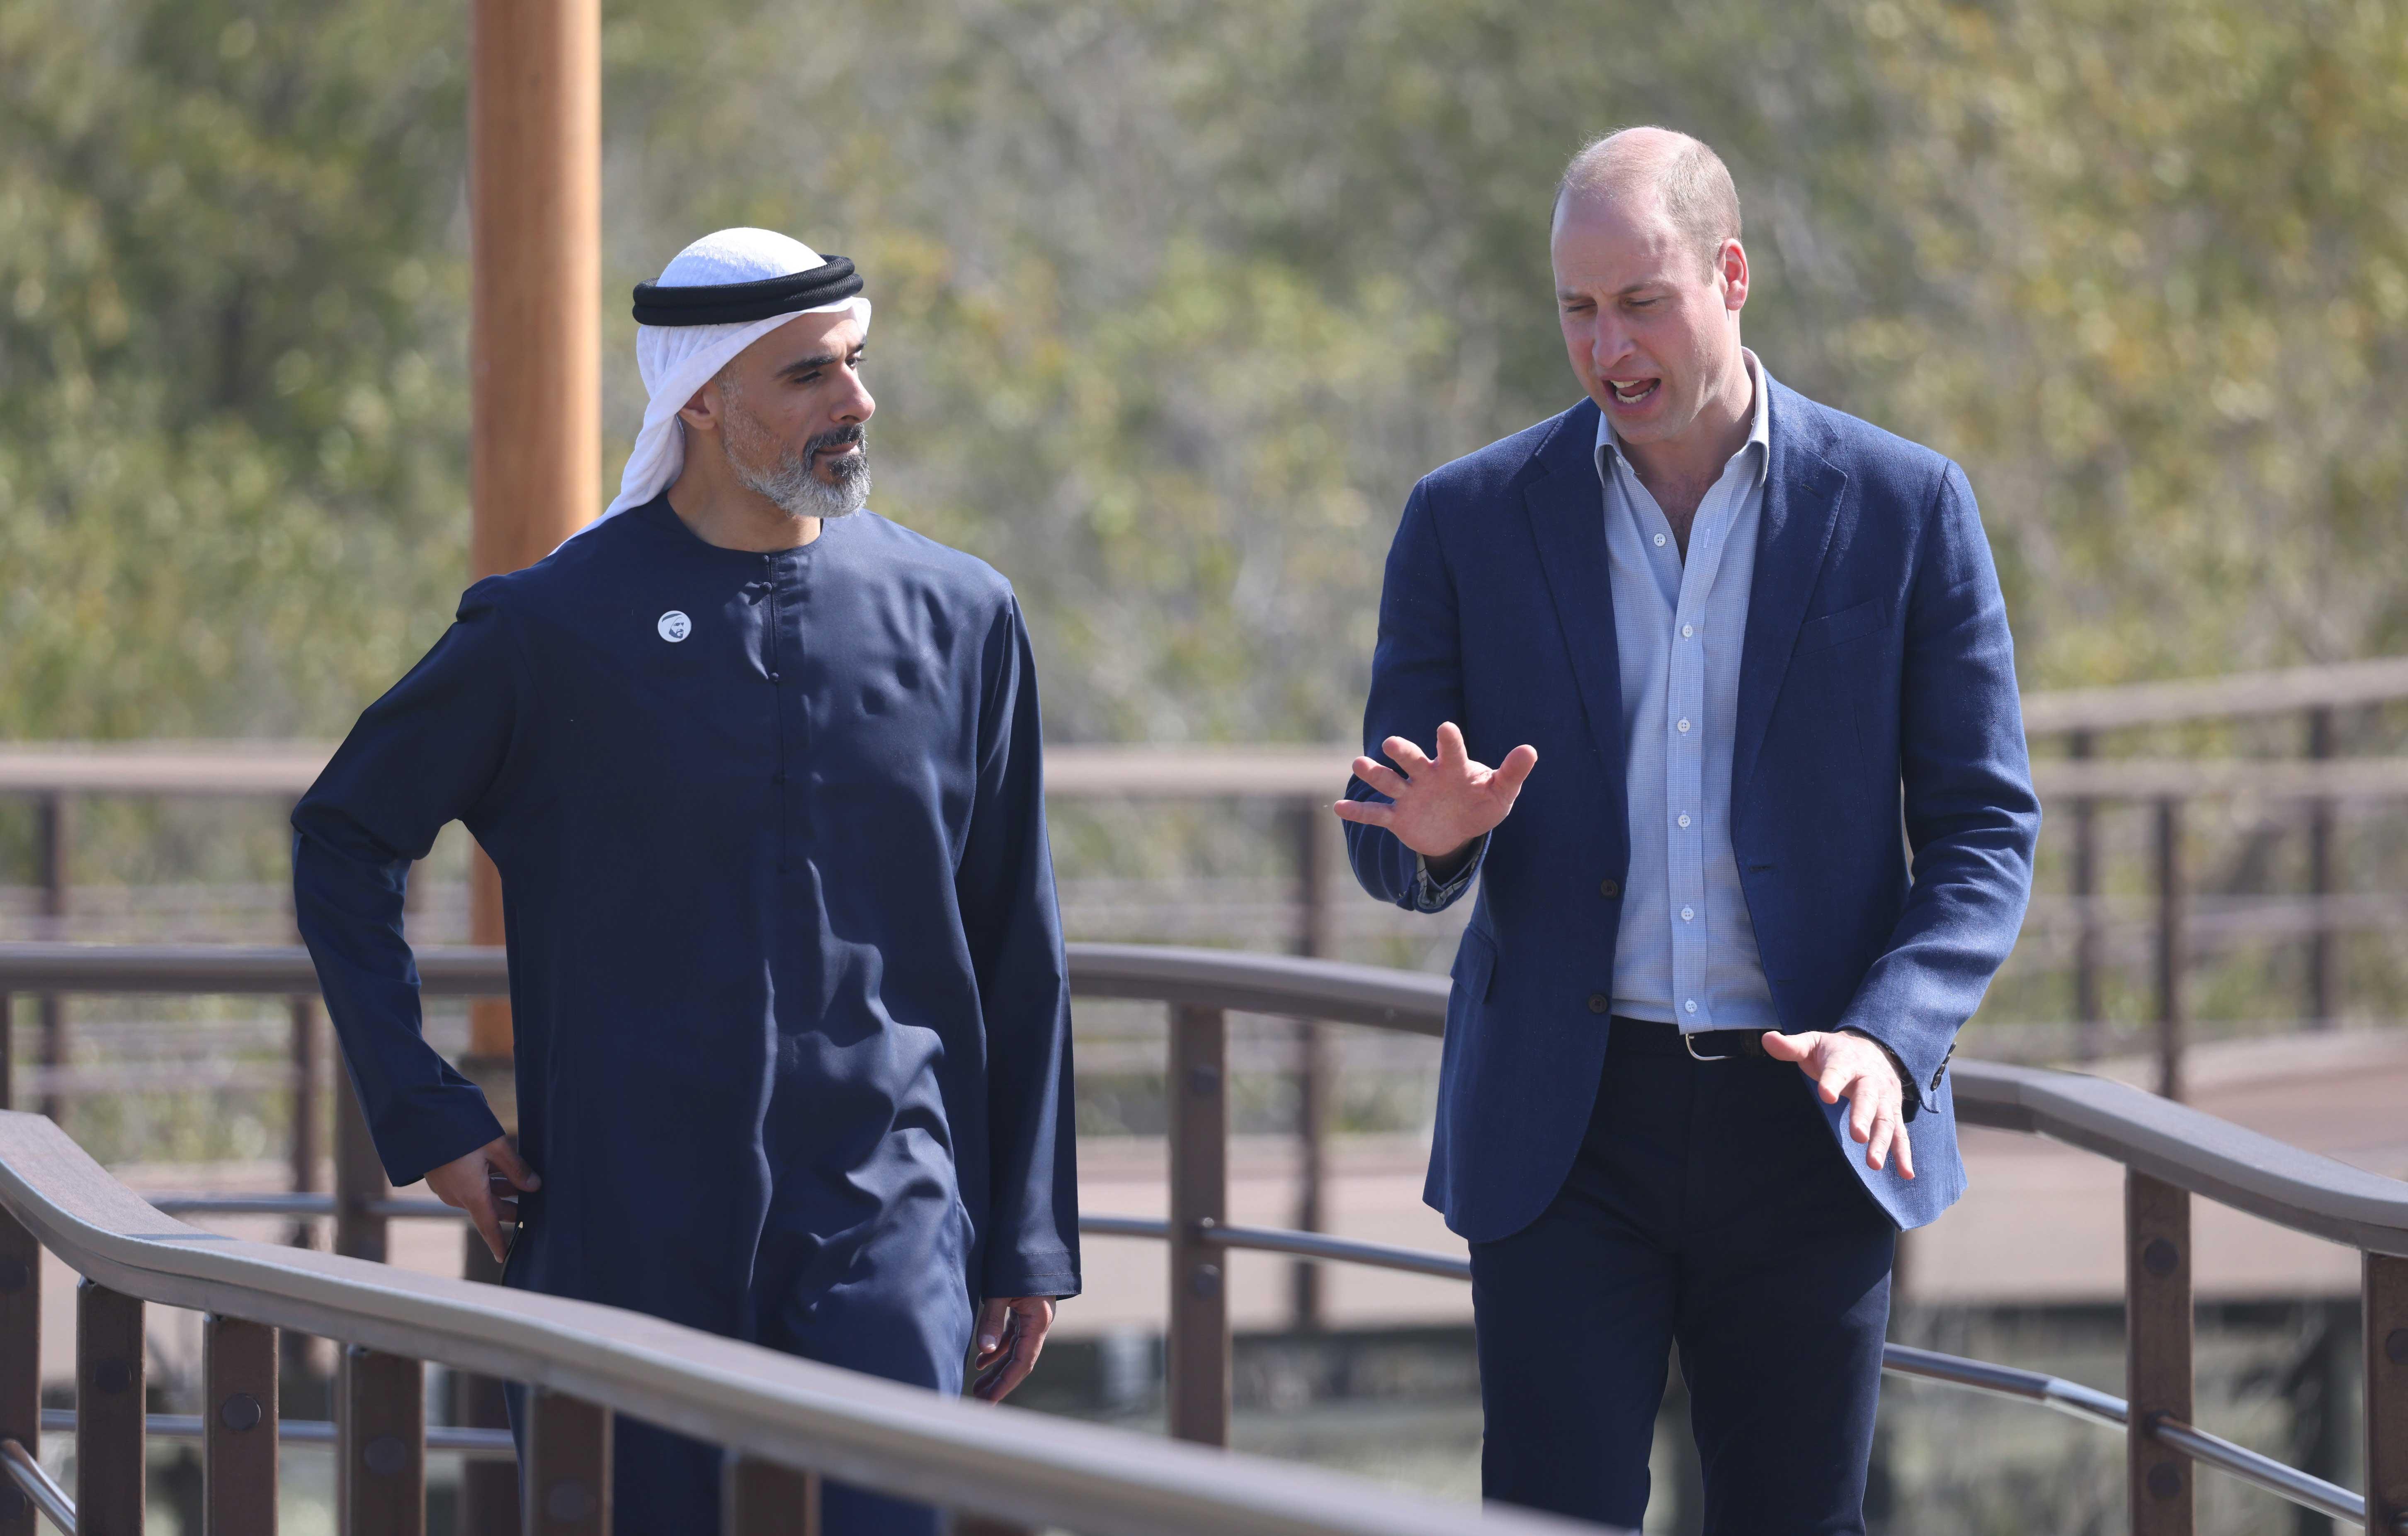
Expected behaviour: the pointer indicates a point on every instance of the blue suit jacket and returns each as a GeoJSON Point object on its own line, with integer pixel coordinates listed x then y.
{"type": "Point", "coordinates": [1877, 689]}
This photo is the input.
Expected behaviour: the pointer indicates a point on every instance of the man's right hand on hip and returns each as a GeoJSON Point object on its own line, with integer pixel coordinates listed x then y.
{"type": "Point", "coordinates": [1441, 806]}
{"type": "Point", "coordinates": [469, 1183]}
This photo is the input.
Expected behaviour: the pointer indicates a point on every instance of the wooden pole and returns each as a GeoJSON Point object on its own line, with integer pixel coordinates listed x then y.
{"type": "Point", "coordinates": [2173, 949]}
{"type": "Point", "coordinates": [238, 1428]}
{"type": "Point", "coordinates": [489, 1490]}
{"type": "Point", "coordinates": [1198, 1353]}
{"type": "Point", "coordinates": [380, 1444]}
{"type": "Point", "coordinates": [2158, 1351]}
{"type": "Point", "coordinates": [2088, 1013]}
{"type": "Point", "coordinates": [21, 1361]}
{"type": "Point", "coordinates": [567, 1480]}
{"type": "Point", "coordinates": [1315, 1076]}
{"type": "Point", "coordinates": [110, 1422]}
{"type": "Point", "coordinates": [55, 840]}
{"type": "Point", "coordinates": [2324, 992]}
{"type": "Point", "coordinates": [2386, 1391]}
{"type": "Point", "coordinates": [534, 197]}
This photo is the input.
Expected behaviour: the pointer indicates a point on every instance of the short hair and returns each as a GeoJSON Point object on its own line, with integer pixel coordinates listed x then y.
{"type": "Point", "coordinates": [1690, 181]}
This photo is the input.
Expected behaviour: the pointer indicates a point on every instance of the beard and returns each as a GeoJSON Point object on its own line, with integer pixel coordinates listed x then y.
{"type": "Point", "coordinates": [786, 475]}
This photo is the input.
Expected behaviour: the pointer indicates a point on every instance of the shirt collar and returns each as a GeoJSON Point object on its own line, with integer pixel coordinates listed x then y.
{"type": "Point", "coordinates": [1759, 429]}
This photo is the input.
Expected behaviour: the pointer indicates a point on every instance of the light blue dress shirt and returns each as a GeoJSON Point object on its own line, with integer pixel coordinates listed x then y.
{"type": "Point", "coordinates": [1686, 952]}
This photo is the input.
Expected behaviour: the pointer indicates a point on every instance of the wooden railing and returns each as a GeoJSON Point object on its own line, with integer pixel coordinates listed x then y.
{"type": "Point", "coordinates": [779, 1417]}
{"type": "Point", "coordinates": [2171, 1154]}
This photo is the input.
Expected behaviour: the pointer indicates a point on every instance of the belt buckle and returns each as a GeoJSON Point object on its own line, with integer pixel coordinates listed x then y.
{"type": "Point", "coordinates": [1689, 1044]}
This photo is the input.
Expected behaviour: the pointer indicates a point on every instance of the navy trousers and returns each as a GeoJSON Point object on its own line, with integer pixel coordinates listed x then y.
{"type": "Point", "coordinates": [1707, 1207]}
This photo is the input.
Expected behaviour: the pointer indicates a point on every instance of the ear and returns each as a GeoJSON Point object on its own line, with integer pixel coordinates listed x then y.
{"type": "Point", "coordinates": [706, 410]}
{"type": "Point", "coordinates": [1730, 267]}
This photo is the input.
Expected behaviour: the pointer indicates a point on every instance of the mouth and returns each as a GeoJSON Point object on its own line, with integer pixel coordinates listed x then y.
{"type": "Point", "coordinates": [842, 444]}
{"type": "Point", "coordinates": [1632, 392]}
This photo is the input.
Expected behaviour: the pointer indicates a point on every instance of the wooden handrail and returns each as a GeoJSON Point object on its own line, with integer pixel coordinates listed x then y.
{"type": "Point", "coordinates": [898, 1439]}
{"type": "Point", "coordinates": [2183, 1146]}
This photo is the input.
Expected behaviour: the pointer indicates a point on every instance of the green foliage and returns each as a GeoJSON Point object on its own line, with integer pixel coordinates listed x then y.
{"type": "Point", "coordinates": [230, 465]}
{"type": "Point", "coordinates": [1176, 299]}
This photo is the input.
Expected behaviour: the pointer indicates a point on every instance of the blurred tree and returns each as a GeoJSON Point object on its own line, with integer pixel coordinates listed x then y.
{"type": "Point", "coordinates": [1177, 298]}
{"type": "Point", "coordinates": [231, 437]}
{"type": "Point", "coordinates": [2161, 309]}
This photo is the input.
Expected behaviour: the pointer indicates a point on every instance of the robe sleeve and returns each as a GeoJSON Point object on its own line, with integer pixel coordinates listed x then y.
{"type": "Point", "coordinates": [435, 749]}
{"type": "Point", "coordinates": [1005, 886]}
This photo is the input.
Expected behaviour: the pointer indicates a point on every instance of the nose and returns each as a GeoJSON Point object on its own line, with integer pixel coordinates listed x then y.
{"type": "Point", "coordinates": [858, 405]}
{"type": "Point", "coordinates": [1608, 344]}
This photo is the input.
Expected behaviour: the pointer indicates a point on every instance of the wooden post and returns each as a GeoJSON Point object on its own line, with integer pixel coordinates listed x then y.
{"type": "Point", "coordinates": [380, 1444]}
{"type": "Point", "coordinates": [489, 1490]}
{"type": "Point", "coordinates": [2173, 949]}
{"type": "Point", "coordinates": [1314, 1079]}
{"type": "Point", "coordinates": [110, 1414]}
{"type": "Point", "coordinates": [238, 1428]}
{"type": "Point", "coordinates": [1197, 1351]}
{"type": "Point", "coordinates": [535, 196]}
{"type": "Point", "coordinates": [54, 843]}
{"type": "Point", "coordinates": [2323, 991]}
{"type": "Point", "coordinates": [20, 1360]}
{"type": "Point", "coordinates": [567, 1474]}
{"type": "Point", "coordinates": [359, 1181]}
{"type": "Point", "coordinates": [2386, 1391]}
{"type": "Point", "coordinates": [306, 1073]}
{"type": "Point", "coordinates": [2158, 1351]}
{"type": "Point", "coordinates": [2088, 1013]}
{"type": "Point", "coordinates": [764, 1499]}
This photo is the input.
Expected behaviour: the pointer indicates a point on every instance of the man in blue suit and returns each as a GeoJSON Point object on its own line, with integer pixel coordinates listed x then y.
{"type": "Point", "coordinates": [1721, 643]}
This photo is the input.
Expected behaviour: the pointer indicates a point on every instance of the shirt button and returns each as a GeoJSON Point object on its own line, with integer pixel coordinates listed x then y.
{"type": "Point", "coordinates": [1684, 818]}
{"type": "Point", "coordinates": [773, 677]}
{"type": "Point", "coordinates": [1659, 540]}
{"type": "Point", "coordinates": [1682, 728]}
{"type": "Point", "coordinates": [1687, 913]}
{"type": "Point", "coordinates": [1610, 889]}
{"type": "Point", "coordinates": [1598, 1002]}
{"type": "Point", "coordinates": [1687, 630]}
{"type": "Point", "coordinates": [1689, 1007]}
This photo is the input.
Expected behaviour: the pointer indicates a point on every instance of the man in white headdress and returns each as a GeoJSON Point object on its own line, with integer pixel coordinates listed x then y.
{"type": "Point", "coordinates": [761, 772]}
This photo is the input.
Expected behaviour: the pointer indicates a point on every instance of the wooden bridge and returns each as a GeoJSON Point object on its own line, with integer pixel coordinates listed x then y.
{"type": "Point", "coordinates": [787, 1421]}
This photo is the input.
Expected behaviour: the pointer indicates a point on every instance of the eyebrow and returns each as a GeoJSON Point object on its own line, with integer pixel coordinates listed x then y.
{"type": "Point", "coordinates": [1562, 294]}
{"type": "Point", "coordinates": [811, 364]}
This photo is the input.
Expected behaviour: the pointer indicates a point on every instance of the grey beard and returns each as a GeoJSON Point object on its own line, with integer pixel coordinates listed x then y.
{"type": "Point", "coordinates": [789, 484]}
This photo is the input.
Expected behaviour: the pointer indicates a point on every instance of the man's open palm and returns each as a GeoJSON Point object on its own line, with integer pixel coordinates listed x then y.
{"type": "Point", "coordinates": [1441, 804]}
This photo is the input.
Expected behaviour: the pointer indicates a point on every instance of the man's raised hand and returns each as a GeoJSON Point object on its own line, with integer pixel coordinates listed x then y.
{"type": "Point", "coordinates": [1854, 1067]}
{"type": "Point", "coordinates": [1439, 805]}
{"type": "Point", "coordinates": [469, 1184]}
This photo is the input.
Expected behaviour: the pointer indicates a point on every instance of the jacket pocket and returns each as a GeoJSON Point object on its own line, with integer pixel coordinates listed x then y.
{"type": "Point", "coordinates": [1838, 628]}
{"type": "Point", "coordinates": [1475, 966]}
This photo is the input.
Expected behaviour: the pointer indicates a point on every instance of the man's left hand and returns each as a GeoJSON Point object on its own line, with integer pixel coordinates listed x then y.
{"type": "Point", "coordinates": [1854, 1067]}
{"type": "Point", "coordinates": [1010, 1335]}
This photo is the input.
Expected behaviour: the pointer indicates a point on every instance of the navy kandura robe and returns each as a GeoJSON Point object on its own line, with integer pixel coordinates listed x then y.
{"type": "Point", "coordinates": [786, 972]}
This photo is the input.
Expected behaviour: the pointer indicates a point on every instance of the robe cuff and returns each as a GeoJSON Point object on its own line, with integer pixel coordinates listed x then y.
{"type": "Point", "coordinates": [1060, 1285]}
{"type": "Point", "coordinates": [440, 1131]}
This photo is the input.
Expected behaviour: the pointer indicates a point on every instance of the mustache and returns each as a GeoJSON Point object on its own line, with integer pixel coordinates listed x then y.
{"type": "Point", "coordinates": [840, 438]}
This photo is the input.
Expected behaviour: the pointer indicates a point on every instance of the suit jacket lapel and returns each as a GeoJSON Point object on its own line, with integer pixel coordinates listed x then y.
{"type": "Point", "coordinates": [1567, 510]}
{"type": "Point", "coordinates": [1802, 503]}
